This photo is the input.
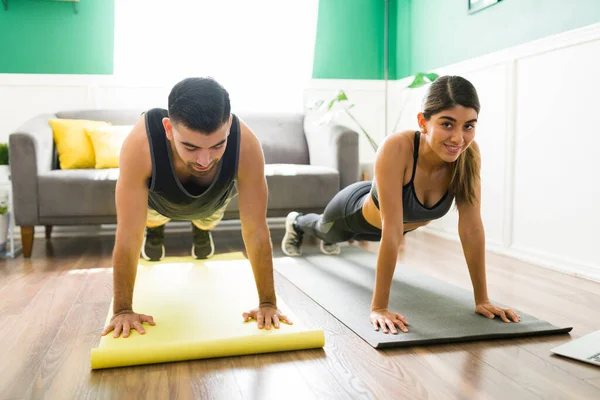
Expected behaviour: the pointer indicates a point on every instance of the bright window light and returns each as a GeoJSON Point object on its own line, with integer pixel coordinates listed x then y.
{"type": "Point", "coordinates": [261, 51]}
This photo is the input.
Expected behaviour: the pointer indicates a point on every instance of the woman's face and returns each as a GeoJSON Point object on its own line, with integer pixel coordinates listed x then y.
{"type": "Point", "coordinates": [450, 131]}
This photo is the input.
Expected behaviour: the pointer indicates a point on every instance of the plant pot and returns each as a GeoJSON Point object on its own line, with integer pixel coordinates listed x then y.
{"type": "Point", "coordinates": [4, 222]}
{"type": "Point", "coordinates": [4, 173]}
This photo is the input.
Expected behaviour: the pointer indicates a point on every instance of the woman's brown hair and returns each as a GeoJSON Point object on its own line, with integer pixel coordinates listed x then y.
{"type": "Point", "coordinates": [444, 93]}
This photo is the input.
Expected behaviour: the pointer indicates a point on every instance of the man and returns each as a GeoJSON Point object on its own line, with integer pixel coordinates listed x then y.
{"type": "Point", "coordinates": [186, 163]}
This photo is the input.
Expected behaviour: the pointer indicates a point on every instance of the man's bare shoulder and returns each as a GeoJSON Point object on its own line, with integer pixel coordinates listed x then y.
{"type": "Point", "coordinates": [251, 154]}
{"type": "Point", "coordinates": [135, 159]}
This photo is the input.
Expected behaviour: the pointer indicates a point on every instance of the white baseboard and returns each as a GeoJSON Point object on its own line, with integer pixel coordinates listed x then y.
{"type": "Point", "coordinates": [544, 260]}
{"type": "Point", "coordinates": [71, 231]}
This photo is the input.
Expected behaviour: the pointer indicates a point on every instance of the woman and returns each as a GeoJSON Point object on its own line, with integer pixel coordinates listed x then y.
{"type": "Point", "coordinates": [418, 175]}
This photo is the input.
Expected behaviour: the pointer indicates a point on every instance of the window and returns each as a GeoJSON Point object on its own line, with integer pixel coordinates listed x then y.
{"type": "Point", "coordinates": [261, 51]}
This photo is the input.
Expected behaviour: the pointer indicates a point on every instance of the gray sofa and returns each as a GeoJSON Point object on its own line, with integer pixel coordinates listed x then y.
{"type": "Point", "coordinates": [306, 165]}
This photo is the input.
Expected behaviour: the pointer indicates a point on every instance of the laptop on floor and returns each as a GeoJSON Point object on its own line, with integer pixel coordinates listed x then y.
{"type": "Point", "coordinates": [585, 348]}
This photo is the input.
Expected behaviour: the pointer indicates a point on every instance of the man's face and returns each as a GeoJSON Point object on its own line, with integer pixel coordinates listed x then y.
{"type": "Point", "coordinates": [200, 152]}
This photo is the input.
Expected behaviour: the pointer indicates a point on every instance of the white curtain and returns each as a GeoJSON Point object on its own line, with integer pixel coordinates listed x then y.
{"type": "Point", "coordinates": [261, 51]}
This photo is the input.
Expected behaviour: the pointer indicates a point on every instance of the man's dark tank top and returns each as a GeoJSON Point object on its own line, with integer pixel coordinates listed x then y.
{"type": "Point", "coordinates": [412, 208]}
{"type": "Point", "coordinates": [168, 196]}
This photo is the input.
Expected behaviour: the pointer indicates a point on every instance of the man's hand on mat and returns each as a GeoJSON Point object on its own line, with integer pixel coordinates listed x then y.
{"type": "Point", "coordinates": [125, 321]}
{"type": "Point", "coordinates": [489, 310]}
{"type": "Point", "coordinates": [386, 319]}
{"type": "Point", "coordinates": [265, 316]}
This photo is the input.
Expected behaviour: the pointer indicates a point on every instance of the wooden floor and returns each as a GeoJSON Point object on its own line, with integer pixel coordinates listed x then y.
{"type": "Point", "coordinates": [52, 309]}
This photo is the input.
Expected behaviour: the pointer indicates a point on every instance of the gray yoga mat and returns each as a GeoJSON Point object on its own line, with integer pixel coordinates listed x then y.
{"type": "Point", "coordinates": [438, 312]}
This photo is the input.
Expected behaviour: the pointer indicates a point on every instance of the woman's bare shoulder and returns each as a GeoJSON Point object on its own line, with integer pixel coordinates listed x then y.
{"type": "Point", "coordinates": [397, 144]}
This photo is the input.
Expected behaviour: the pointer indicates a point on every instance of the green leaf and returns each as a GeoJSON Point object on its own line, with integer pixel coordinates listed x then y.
{"type": "Point", "coordinates": [432, 76]}
{"type": "Point", "coordinates": [3, 154]}
{"type": "Point", "coordinates": [341, 96]}
{"type": "Point", "coordinates": [422, 79]}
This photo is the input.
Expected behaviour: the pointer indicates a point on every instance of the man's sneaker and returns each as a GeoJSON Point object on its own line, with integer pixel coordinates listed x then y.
{"type": "Point", "coordinates": [203, 246]}
{"type": "Point", "coordinates": [292, 240]}
{"type": "Point", "coordinates": [153, 248]}
{"type": "Point", "coordinates": [330, 248]}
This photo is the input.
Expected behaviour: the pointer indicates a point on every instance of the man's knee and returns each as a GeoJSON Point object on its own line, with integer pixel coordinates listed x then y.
{"type": "Point", "coordinates": [209, 223]}
{"type": "Point", "coordinates": [155, 219]}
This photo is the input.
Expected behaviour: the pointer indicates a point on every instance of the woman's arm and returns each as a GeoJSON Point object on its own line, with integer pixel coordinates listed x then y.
{"type": "Point", "coordinates": [472, 237]}
{"type": "Point", "coordinates": [389, 177]}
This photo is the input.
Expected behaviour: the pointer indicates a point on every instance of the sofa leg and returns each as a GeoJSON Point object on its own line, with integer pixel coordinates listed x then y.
{"type": "Point", "coordinates": [27, 240]}
{"type": "Point", "coordinates": [48, 231]}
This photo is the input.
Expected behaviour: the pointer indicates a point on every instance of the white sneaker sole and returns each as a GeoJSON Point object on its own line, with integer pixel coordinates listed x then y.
{"type": "Point", "coordinates": [145, 256]}
{"type": "Point", "coordinates": [330, 253]}
{"type": "Point", "coordinates": [212, 249]}
{"type": "Point", "coordinates": [289, 230]}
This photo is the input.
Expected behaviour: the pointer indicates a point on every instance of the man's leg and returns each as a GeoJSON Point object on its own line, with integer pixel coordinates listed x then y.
{"type": "Point", "coordinates": [153, 248]}
{"type": "Point", "coordinates": [203, 246]}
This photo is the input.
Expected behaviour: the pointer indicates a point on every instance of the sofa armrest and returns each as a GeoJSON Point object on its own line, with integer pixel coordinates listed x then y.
{"type": "Point", "coordinates": [31, 148]}
{"type": "Point", "coordinates": [335, 146]}
{"type": "Point", "coordinates": [24, 178]}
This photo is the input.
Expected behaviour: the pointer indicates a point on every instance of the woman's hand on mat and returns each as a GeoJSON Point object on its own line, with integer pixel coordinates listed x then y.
{"type": "Point", "coordinates": [489, 310]}
{"type": "Point", "coordinates": [126, 321]}
{"type": "Point", "coordinates": [385, 319]}
{"type": "Point", "coordinates": [266, 316]}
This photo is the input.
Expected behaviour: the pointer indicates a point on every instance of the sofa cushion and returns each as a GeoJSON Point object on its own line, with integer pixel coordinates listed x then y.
{"type": "Point", "coordinates": [281, 136]}
{"type": "Point", "coordinates": [73, 145]}
{"type": "Point", "coordinates": [298, 187]}
{"type": "Point", "coordinates": [77, 192]}
{"type": "Point", "coordinates": [107, 142]}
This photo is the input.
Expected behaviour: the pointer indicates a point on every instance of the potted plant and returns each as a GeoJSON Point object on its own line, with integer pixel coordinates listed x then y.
{"type": "Point", "coordinates": [4, 169]}
{"type": "Point", "coordinates": [341, 100]}
{"type": "Point", "coordinates": [4, 219]}
{"type": "Point", "coordinates": [341, 104]}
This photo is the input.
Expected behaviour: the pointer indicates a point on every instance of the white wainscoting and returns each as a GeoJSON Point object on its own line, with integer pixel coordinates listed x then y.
{"type": "Point", "coordinates": [539, 144]}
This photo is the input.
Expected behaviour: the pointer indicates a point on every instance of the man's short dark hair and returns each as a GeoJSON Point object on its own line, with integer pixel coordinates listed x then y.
{"type": "Point", "coordinates": [200, 104]}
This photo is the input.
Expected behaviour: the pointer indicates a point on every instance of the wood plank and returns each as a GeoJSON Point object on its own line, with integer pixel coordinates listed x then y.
{"type": "Point", "coordinates": [541, 347]}
{"type": "Point", "coordinates": [375, 376]}
{"type": "Point", "coordinates": [595, 382]}
{"type": "Point", "coordinates": [25, 344]}
{"type": "Point", "coordinates": [16, 298]}
{"type": "Point", "coordinates": [469, 376]}
{"type": "Point", "coordinates": [144, 383]}
{"type": "Point", "coordinates": [70, 352]}
{"type": "Point", "coordinates": [534, 373]}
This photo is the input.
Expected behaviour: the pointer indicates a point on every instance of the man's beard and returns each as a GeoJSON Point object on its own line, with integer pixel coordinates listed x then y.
{"type": "Point", "coordinates": [197, 173]}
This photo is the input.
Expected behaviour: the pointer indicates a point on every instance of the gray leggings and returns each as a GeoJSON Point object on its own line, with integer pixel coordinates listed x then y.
{"type": "Point", "coordinates": [342, 219]}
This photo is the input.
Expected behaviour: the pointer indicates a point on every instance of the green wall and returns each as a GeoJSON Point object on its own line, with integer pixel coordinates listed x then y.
{"type": "Point", "coordinates": [349, 42]}
{"type": "Point", "coordinates": [47, 37]}
{"type": "Point", "coordinates": [427, 34]}
{"type": "Point", "coordinates": [443, 33]}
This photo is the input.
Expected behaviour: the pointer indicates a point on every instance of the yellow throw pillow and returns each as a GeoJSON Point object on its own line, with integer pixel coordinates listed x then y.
{"type": "Point", "coordinates": [73, 145]}
{"type": "Point", "coordinates": [107, 142]}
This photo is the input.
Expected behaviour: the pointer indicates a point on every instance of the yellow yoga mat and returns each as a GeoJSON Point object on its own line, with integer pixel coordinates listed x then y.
{"type": "Point", "coordinates": [197, 307]}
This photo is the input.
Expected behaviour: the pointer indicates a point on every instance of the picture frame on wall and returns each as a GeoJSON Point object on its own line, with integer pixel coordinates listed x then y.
{"type": "Point", "coordinates": [478, 5]}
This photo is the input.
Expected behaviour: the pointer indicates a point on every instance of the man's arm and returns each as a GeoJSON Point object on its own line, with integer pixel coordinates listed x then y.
{"type": "Point", "coordinates": [132, 205]}
{"type": "Point", "coordinates": [253, 197]}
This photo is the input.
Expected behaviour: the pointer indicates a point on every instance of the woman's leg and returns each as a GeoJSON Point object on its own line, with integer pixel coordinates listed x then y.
{"type": "Point", "coordinates": [331, 226]}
